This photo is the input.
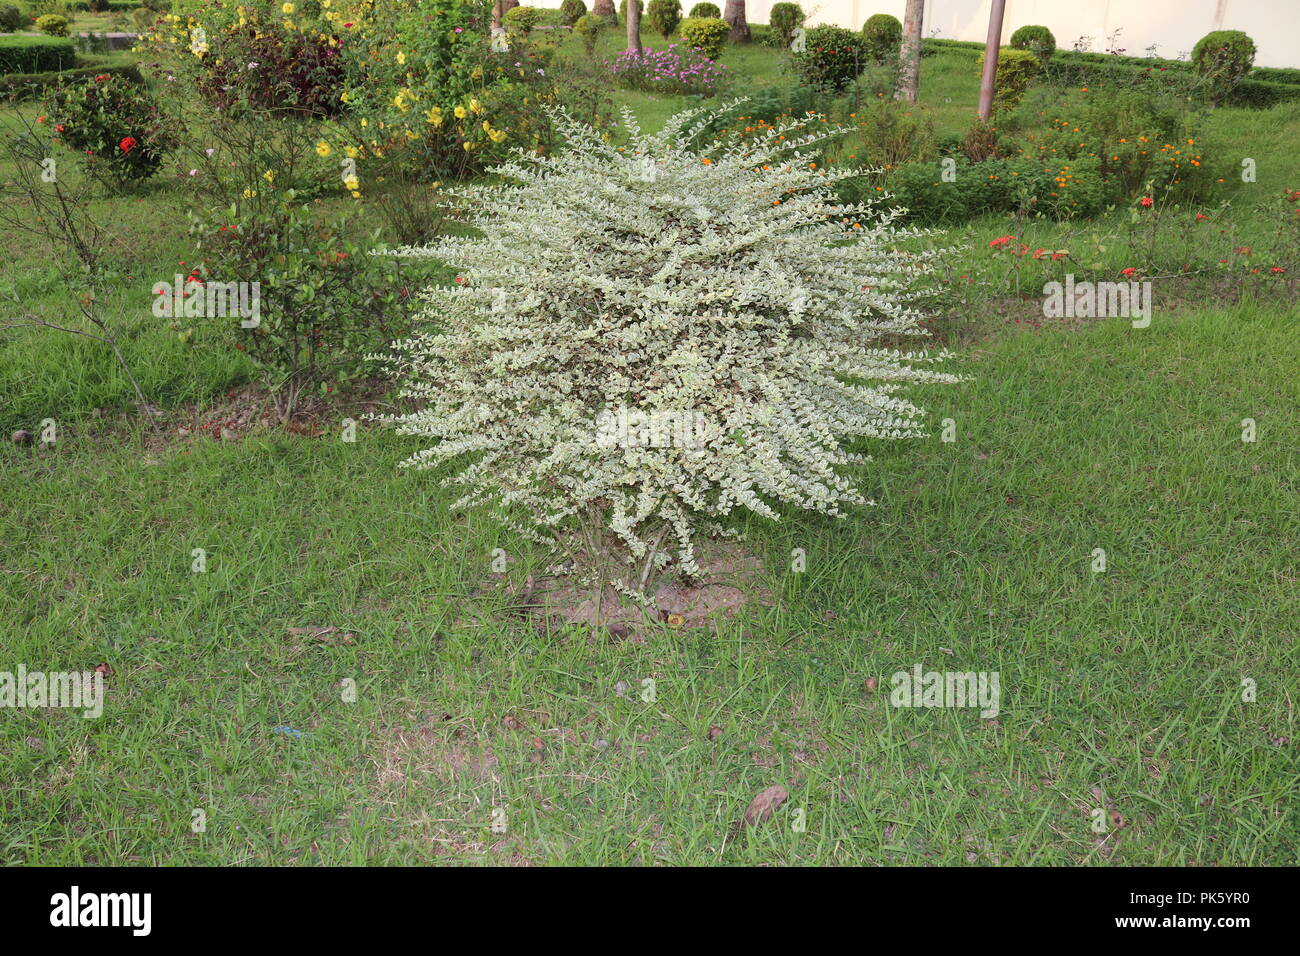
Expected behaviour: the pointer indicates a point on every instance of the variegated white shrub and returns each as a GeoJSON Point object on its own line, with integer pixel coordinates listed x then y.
{"type": "Point", "coordinates": [626, 284]}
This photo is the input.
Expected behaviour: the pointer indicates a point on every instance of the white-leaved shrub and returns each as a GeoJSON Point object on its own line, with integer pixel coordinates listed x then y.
{"type": "Point", "coordinates": [643, 339]}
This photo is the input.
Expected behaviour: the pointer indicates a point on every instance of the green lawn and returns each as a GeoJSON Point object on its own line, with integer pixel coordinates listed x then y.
{"type": "Point", "coordinates": [1122, 690]}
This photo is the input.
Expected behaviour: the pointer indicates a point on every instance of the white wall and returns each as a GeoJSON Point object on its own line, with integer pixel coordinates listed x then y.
{"type": "Point", "coordinates": [1174, 25]}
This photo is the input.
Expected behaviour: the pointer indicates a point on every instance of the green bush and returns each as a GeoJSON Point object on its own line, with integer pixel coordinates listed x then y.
{"type": "Point", "coordinates": [785, 18]}
{"type": "Point", "coordinates": [665, 16]}
{"type": "Point", "coordinates": [764, 105]}
{"type": "Point", "coordinates": [11, 19]}
{"type": "Point", "coordinates": [882, 36]}
{"type": "Point", "coordinates": [832, 58]}
{"type": "Point", "coordinates": [1037, 40]}
{"type": "Point", "coordinates": [571, 11]}
{"type": "Point", "coordinates": [27, 54]}
{"type": "Point", "coordinates": [53, 24]}
{"type": "Point", "coordinates": [113, 6]}
{"type": "Point", "coordinates": [705, 11]}
{"type": "Point", "coordinates": [588, 30]}
{"type": "Point", "coordinates": [994, 186]}
{"type": "Point", "coordinates": [19, 86]}
{"type": "Point", "coordinates": [1016, 70]}
{"type": "Point", "coordinates": [521, 20]}
{"type": "Point", "coordinates": [1223, 58]}
{"type": "Point", "coordinates": [708, 34]}
{"type": "Point", "coordinates": [117, 127]}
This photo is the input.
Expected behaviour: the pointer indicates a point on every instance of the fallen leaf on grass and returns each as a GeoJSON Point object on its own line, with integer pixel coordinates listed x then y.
{"type": "Point", "coordinates": [761, 807]}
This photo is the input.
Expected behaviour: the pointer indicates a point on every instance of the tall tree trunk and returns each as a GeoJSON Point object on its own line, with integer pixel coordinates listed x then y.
{"type": "Point", "coordinates": [989, 78]}
{"type": "Point", "coordinates": [910, 55]}
{"type": "Point", "coordinates": [735, 17]}
{"type": "Point", "coordinates": [634, 24]}
{"type": "Point", "coordinates": [603, 8]}
{"type": "Point", "coordinates": [499, 11]}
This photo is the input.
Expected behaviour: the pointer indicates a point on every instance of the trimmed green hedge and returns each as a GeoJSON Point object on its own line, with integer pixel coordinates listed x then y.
{"type": "Point", "coordinates": [18, 86]}
{"type": "Point", "coordinates": [1267, 74]}
{"type": "Point", "coordinates": [1262, 88]}
{"type": "Point", "coordinates": [35, 54]}
{"type": "Point", "coordinates": [83, 6]}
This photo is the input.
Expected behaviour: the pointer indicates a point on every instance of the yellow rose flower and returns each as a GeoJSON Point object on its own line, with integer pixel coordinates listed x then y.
{"type": "Point", "coordinates": [287, 8]}
{"type": "Point", "coordinates": [434, 116]}
{"type": "Point", "coordinates": [323, 148]}
{"type": "Point", "coordinates": [475, 106]}
{"type": "Point", "coordinates": [401, 58]}
{"type": "Point", "coordinates": [460, 112]}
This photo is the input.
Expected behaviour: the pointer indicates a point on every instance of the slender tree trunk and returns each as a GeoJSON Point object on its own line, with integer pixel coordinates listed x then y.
{"type": "Point", "coordinates": [910, 54]}
{"type": "Point", "coordinates": [991, 45]}
{"type": "Point", "coordinates": [734, 14]}
{"type": "Point", "coordinates": [634, 24]}
{"type": "Point", "coordinates": [499, 11]}
{"type": "Point", "coordinates": [603, 8]}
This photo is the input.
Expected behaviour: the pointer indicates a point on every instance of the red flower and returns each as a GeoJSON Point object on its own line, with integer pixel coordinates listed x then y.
{"type": "Point", "coordinates": [60, 128]}
{"type": "Point", "coordinates": [1277, 269]}
{"type": "Point", "coordinates": [1200, 217]}
{"type": "Point", "coordinates": [999, 242]}
{"type": "Point", "coordinates": [1145, 202]}
{"type": "Point", "coordinates": [127, 144]}
{"type": "Point", "coordinates": [101, 78]}
{"type": "Point", "coordinates": [1130, 272]}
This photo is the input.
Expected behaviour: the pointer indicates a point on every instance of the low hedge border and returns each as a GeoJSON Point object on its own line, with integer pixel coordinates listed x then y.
{"type": "Point", "coordinates": [20, 86]}
{"type": "Point", "coordinates": [1069, 66]}
{"type": "Point", "coordinates": [36, 54]}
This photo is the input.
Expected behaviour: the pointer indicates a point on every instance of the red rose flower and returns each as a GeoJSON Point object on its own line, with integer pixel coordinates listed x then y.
{"type": "Point", "coordinates": [127, 144]}
{"type": "Point", "coordinates": [1145, 202]}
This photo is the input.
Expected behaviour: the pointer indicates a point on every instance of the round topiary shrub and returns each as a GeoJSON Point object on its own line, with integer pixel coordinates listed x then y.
{"type": "Point", "coordinates": [706, 34]}
{"type": "Point", "coordinates": [1223, 58]}
{"type": "Point", "coordinates": [785, 18]}
{"type": "Point", "coordinates": [588, 30]}
{"type": "Point", "coordinates": [882, 36]}
{"type": "Point", "coordinates": [11, 19]}
{"type": "Point", "coordinates": [521, 20]}
{"type": "Point", "coordinates": [665, 16]}
{"type": "Point", "coordinates": [571, 11]}
{"type": "Point", "coordinates": [53, 24]}
{"type": "Point", "coordinates": [1037, 40]}
{"type": "Point", "coordinates": [1016, 70]}
{"type": "Point", "coordinates": [589, 394]}
{"type": "Point", "coordinates": [705, 11]}
{"type": "Point", "coordinates": [832, 58]}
